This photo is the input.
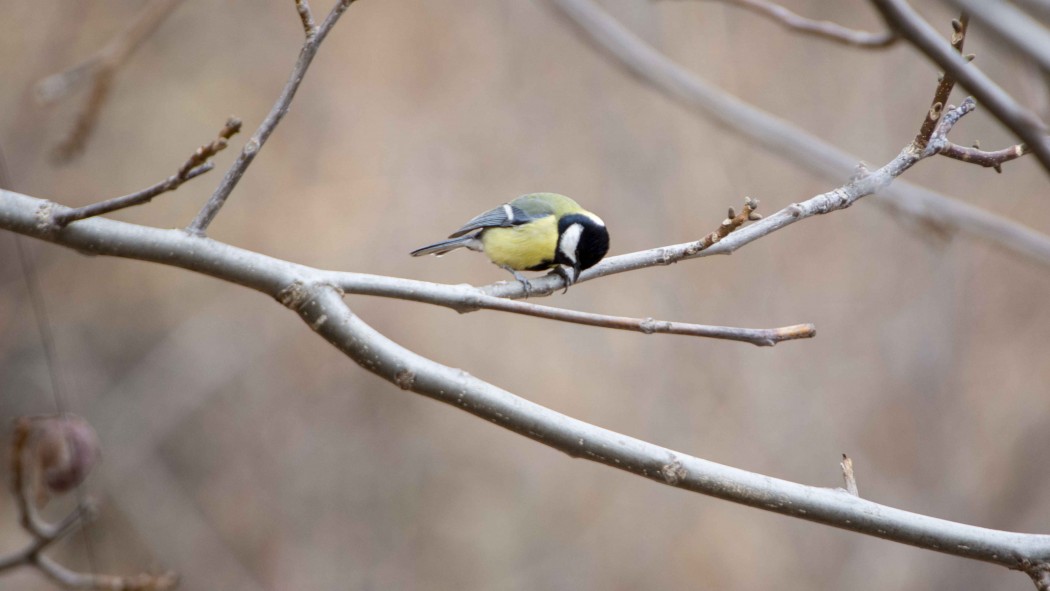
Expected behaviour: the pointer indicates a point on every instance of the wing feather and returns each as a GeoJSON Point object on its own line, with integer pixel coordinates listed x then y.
{"type": "Point", "coordinates": [504, 216]}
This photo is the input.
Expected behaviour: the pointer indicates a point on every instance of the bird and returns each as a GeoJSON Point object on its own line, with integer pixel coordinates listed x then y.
{"type": "Point", "coordinates": [534, 232]}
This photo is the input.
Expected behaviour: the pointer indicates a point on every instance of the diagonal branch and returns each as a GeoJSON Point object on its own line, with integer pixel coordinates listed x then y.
{"type": "Point", "coordinates": [1021, 121]}
{"type": "Point", "coordinates": [1012, 25]}
{"type": "Point", "coordinates": [280, 109]}
{"type": "Point", "coordinates": [817, 28]}
{"type": "Point", "coordinates": [778, 137]}
{"type": "Point", "coordinates": [99, 70]}
{"type": "Point", "coordinates": [322, 308]}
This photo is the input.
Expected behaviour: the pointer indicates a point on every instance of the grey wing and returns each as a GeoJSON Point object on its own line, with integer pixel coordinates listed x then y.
{"type": "Point", "coordinates": [503, 216]}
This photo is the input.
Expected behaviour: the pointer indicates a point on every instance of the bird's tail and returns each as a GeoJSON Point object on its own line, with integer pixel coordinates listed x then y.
{"type": "Point", "coordinates": [444, 246]}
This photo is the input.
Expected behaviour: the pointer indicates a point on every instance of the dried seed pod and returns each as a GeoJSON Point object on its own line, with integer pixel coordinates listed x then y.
{"type": "Point", "coordinates": [65, 449]}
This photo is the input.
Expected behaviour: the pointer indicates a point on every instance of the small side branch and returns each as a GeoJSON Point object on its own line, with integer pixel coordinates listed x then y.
{"type": "Point", "coordinates": [980, 157]}
{"type": "Point", "coordinates": [944, 86]}
{"type": "Point", "coordinates": [464, 298]}
{"type": "Point", "coordinates": [71, 579]}
{"type": "Point", "coordinates": [816, 28]}
{"type": "Point", "coordinates": [307, 17]}
{"type": "Point", "coordinates": [99, 70]}
{"type": "Point", "coordinates": [900, 16]}
{"type": "Point", "coordinates": [732, 222]}
{"type": "Point", "coordinates": [1013, 26]}
{"type": "Point", "coordinates": [196, 165]}
{"type": "Point", "coordinates": [765, 337]}
{"type": "Point", "coordinates": [280, 109]}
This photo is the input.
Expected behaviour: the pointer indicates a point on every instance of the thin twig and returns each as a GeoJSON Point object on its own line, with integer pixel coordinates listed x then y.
{"type": "Point", "coordinates": [58, 86]}
{"type": "Point", "coordinates": [1012, 25]}
{"type": "Point", "coordinates": [464, 298]}
{"type": "Point", "coordinates": [982, 158]}
{"type": "Point", "coordinates": [197, 164]}
{"type": "Point", "coordinates": [280, 108]}
{"type": "Point", "coordinates": [944, 86]}
{"type": "Point", "coordinates": [756, 336]}
{"type": "Point", "coordinates": [733, 221]}
{"type": "Point", "coordinates": [817, 28]}
{"type": "Point", "coordinates": [100, 70]}
{"type": "Point", "coordinates": [86, 120]}
{"type": "Point", "coordinates": [21, 484]}
{"type": "Point", "coordinates": [899, 15]}
{"type": "Point", "coordinates": [71, 579]}
{"type": "Point", "coordinates": [307, 17]}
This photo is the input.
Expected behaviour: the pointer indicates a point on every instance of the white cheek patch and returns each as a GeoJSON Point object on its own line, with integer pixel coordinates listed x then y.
{"type": "Point", "coordinates": [570, 239]}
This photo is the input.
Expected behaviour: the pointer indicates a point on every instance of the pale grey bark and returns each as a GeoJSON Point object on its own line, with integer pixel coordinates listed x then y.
{"type": "Point", "coordinates": [317, 296]}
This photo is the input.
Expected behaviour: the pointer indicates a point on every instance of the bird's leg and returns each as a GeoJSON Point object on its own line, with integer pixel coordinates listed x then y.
{"type": "Point", "coordinates": [521, 279]}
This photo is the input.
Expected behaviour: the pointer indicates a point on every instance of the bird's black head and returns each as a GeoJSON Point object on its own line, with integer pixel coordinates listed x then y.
{"type": "Point", "coordinates": [582, 241]}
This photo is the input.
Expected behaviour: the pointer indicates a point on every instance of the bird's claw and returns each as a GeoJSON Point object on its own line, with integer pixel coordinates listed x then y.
{"type": "Point", "coordinates": [523, 280]}
{"type": "Point", "coordinates": [525, 285]}
{"type": "Point", "coordinates": [564, 274]}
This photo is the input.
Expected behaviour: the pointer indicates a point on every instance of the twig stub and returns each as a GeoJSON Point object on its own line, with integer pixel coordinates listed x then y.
{"type": "Point", "coordinates": [848, 477]}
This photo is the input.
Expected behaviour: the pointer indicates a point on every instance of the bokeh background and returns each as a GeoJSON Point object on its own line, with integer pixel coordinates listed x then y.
{"type": "Point", "coordinates": [246, 453]}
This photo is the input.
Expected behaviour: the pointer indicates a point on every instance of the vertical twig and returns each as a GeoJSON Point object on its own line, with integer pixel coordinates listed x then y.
{"type": "Point", "coordinates": [280, 109]}
{"type": "Point", "coordinates": [944, 86]}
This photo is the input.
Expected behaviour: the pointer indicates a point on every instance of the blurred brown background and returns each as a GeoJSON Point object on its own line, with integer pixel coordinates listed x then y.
{"type": "Point", "coordinates": [246, 453]}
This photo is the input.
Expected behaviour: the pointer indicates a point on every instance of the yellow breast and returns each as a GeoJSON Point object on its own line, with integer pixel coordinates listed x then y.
{"type": "Point", "coordinates": [522, 247]}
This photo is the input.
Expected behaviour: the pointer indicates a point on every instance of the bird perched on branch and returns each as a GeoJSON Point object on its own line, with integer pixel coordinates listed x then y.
{"type": "Point", "coordinates": [534, 232]}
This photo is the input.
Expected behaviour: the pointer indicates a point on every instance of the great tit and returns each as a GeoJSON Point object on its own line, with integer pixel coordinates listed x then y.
{"type": "Point", "coordinates": [534, 232]}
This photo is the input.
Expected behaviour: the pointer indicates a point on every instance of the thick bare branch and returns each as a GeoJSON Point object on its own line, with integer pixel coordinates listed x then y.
{"type": "Point", "coordinates": [316, 296]}
{"type": "Point", "coordinates": [312, 293]}
{"type": "Point", "coordinates": [280, 108]}
{"type": "Point", "coordinates": [322, 308]}
{"type": "Point", "coordinates": [196, 165]}
{"type": "Point", "coordinates": [1025, 124]}
{"type": "Point", "coordinates": [817, 28]}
